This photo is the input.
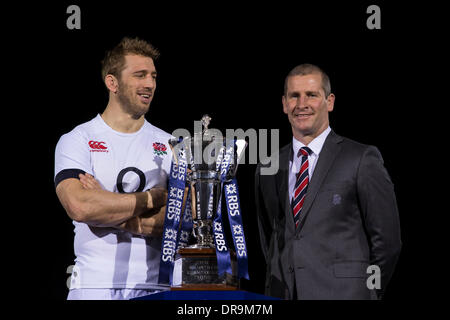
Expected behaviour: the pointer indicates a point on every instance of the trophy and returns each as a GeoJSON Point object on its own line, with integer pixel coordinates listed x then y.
{"type": "Point", "coordinates": [211, 163]}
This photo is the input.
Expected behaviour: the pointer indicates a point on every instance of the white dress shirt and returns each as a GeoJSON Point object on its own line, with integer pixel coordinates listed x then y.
{"type": "Point", "coordinates": [294, 164]}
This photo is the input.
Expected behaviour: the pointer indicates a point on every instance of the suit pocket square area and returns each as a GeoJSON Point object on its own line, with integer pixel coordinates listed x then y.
{"type": "Point", "coordinates": [337, 199]}
{"type": "Point", "coordinates": [350, 269]}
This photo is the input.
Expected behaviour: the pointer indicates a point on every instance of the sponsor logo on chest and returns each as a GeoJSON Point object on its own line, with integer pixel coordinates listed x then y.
{"type": "Point", "coordinates": [98, 146]}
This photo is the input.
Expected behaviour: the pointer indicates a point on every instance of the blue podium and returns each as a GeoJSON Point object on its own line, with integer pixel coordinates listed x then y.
{"type": "Point", "coordinates": [206, 295]}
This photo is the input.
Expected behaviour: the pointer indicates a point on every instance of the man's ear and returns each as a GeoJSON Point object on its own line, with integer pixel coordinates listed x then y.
{"type": "Point", "coordinates": [330, 102]}
{"type": "Point", "coordinates": [111, 83]}
{"type": "Point", "coordinates": [283, 101]}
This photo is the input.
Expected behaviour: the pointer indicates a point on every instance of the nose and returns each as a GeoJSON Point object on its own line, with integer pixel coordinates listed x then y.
{"type": "Point", "coordinates": [302, 102]}
{"type": "Point", "coordinates": [150, 82]}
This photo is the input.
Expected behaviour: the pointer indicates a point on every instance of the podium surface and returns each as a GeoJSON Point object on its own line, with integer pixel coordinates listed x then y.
{"type": "Point", "coordinates": [205, 295]}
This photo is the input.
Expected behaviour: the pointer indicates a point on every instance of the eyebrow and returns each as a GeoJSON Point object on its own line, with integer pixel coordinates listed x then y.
{"type": "Point", "coordinates": [306, 92]}
{"type": "Point", "coordinates": [145, 72]}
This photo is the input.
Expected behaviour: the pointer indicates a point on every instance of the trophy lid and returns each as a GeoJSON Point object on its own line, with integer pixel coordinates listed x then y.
{"type": "Point", "coordinates": [206, 133]}
{"type": "Point", "coordinates": [206, 119]}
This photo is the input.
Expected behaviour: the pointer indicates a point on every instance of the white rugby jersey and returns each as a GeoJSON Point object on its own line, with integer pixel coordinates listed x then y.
{"type": "Point", "coordinates": [121, 162]}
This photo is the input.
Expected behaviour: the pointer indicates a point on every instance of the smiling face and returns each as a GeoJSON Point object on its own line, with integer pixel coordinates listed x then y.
{"type": "Point", "coordinates": [136, 85]}
{"type": "Point", "coordinates": [306, 106]}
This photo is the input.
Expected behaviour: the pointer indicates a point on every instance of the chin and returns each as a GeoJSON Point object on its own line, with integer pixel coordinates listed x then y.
{"type": "Point", "coordinates": [304, 130]}
{"type": "Point", "coordinates": [302, 127]}
{"type": "Point", "coordinates": [139, 112]}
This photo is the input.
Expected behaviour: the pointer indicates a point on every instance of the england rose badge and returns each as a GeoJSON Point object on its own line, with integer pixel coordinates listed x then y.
{"type": "Point", "coordinates": [159, 148]}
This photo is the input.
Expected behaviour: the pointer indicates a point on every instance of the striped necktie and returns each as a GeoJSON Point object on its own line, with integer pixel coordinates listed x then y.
{"type": "Point", "coordinates": [301, 184]}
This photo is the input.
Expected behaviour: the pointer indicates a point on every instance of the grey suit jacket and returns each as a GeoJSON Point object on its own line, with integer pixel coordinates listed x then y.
{"type": "Point", "coordinates": [349, 221]}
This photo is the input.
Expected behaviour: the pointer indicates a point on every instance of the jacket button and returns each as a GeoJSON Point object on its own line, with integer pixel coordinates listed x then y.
{"type": "Point", "coordinates": [291, 269]}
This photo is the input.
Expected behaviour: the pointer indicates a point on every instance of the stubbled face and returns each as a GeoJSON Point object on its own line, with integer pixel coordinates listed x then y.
{"type": "Point", "coordinates": [137, 85]}
{"type": "Point", "coordinates": [306, 106]}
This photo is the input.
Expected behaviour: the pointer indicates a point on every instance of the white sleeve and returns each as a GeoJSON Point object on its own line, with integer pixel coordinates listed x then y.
{"type": "Point", "coordinates": [72, 156]}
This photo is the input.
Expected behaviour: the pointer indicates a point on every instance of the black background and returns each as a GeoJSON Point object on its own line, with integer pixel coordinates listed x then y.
{"type": "Point", "coordinates": [227, 59]}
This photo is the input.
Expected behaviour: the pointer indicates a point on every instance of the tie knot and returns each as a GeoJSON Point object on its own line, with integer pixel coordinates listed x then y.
{"type": "Point", "coordinates": [304, 151]}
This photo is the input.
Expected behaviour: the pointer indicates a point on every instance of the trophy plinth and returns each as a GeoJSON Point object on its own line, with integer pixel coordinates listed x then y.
{"type": "Point", "coordinates": [196, 269]}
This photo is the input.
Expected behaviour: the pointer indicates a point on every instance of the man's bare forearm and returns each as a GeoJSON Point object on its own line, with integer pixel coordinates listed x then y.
{"type": "Point", "coordinates": [107, 209]}
{"type": "Point", "coordinates": [102, 208]}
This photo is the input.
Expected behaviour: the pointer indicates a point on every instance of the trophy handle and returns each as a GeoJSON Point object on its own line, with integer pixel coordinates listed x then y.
{"type": "Point", "coordinates": [172, 144]}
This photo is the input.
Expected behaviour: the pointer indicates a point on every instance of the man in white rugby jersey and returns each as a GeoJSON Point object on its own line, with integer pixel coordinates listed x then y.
{"type": "Point", "coordinates": [111, 178]}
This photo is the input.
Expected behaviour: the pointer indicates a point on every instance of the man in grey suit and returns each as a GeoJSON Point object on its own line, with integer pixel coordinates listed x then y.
{"type": "Point", "coordinates": [330, 211]}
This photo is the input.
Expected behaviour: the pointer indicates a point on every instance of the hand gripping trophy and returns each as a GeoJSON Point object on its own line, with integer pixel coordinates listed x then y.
{"type": "Point", "coordinates": [204, 166]}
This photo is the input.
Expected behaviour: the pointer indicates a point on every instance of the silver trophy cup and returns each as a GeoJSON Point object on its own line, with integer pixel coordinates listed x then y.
{"type": "Point", "coordinates": [205, 154]}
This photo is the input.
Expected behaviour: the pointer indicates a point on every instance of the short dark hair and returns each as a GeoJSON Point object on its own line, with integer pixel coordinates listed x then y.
{"type": "Point", "coordinates": [114, 61]}
{"type": "Point", "coordinates": [306, 69]}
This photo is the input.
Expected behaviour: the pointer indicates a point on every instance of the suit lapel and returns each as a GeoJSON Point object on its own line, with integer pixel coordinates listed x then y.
{"type": "Point", "coordinates": [329, 152]}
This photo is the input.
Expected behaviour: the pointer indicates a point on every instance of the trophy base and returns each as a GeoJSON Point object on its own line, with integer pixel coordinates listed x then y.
{"type": "Point", "coordinates": [196, 269]}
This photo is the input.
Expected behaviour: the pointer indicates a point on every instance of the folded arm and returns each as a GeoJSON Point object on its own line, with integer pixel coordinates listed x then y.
{"type": "Point", "coordinates": [85, 201]}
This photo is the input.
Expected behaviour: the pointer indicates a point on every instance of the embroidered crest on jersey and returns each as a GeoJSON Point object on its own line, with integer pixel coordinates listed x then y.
{"type": "Point", "coordinates": [98, 146]}
{"type": "Point", "coordinates": [159, 148]}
